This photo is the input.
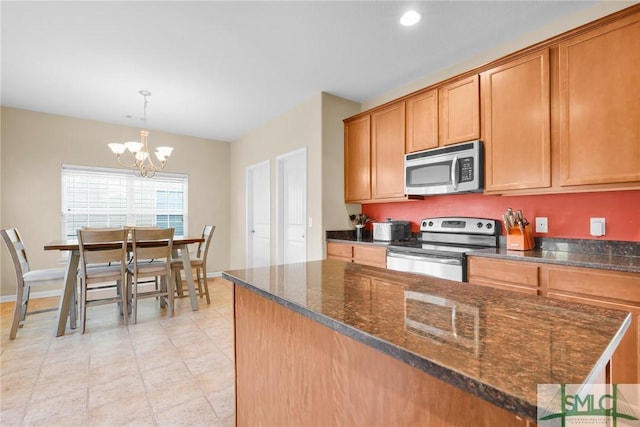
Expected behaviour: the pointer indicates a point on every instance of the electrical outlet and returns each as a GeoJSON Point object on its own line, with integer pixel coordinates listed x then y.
{"type": "Point", "coordinates": [542, 225]}
{"type": "Point", "coordinates": [597, 226]}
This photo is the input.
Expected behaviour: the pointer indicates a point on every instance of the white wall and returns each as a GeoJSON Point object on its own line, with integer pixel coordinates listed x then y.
{"type": "Point", "coordinates": [35, 145]}
{"type": "Point", "coordinates": [584, 16]}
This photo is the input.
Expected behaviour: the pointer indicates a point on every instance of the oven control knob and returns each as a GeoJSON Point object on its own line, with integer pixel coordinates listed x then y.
{"type": "Point", "coordinates": [430, 223]}
{"type": "Point", "coordinates": [489, 226]}
{"type": "Point", "coordinates": [479, 225]}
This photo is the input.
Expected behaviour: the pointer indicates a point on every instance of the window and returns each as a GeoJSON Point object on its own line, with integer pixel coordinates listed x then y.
{"type": "Point", "coordinates": [102, 197]}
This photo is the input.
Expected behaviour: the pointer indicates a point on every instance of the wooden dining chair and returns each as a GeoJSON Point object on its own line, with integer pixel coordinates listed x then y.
{"type": "Point", "coordinates": [198, 264]}
{"type": "Point", "coordinates": [26, 278]}
{"type": "Point", "coordinates": [151, 259]}
{"type": "Point", "coordinates": [103, 254]}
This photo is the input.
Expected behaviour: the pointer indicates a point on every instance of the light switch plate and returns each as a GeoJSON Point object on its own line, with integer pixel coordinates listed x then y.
{"type": "Point", "coordinates": [597, 227]}
{"type": "Point", "coordinates": [542, 224]}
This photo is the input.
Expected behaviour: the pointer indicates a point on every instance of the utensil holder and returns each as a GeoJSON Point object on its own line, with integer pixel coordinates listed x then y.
{"type": "Point", "coordinates": [520, 241]}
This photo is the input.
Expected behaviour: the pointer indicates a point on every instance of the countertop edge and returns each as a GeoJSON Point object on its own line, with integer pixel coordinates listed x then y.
{"type": "Point", "coordinates": [522, 256]}
{"type": "Point", "coordinates": [472, 386]}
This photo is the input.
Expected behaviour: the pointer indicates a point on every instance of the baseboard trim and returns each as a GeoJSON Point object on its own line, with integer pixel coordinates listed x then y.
{"type": "Point", "coordinates": [58, 292]}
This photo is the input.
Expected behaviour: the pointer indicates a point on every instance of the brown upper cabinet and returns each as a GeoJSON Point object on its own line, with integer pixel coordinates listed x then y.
{"type": "Point", "coordinates": [387, 152]}
{"type": "Point", "coordinates": [357, 159]}
{"type": "Point", "coordinates": [443, 116]}
{"type": "Point", "coordinates": [560, 116]}
{"type": "Point", "coordinates": [600, 105]}
{"type": "Point", "coordinates": [516, 120]}
{"type": "Point", "coordinates": [422, 121]}
{"type": "Point", "coordinates": [459, 111]}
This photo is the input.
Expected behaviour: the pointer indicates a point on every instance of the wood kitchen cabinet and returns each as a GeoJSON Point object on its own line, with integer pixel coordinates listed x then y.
{"type": "Point", "coordinates": [610, 289]}
{"type": "Point", "coordinates": [516, 117]}
{"type": "Point", "coordinates": [500, 274]}
{"type": "Point", "coordinates": [422, 121]}
{"type": "Point", "coordinates": [459, 111]}
{"type": "Point", "coordinates": [387, 152]}
{"type": "Point", "coordinates": [375, 256]}
{"type": "Point", "coordinates": [357, 159]}
{"type": "Point", "coordinates": [600, 105]}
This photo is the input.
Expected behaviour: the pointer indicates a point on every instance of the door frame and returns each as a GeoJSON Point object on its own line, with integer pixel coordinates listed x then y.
{"type": "Point", "coordinates": [280, 202]}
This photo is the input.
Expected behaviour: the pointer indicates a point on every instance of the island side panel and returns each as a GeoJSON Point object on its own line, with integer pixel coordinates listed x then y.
{"type": "Point", "coordinates": [291, 370]}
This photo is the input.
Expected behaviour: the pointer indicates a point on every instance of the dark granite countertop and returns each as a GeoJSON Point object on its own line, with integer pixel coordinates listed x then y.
{"type": "Point", "coordinates": [504, 343]}
{"type": "Point", "coordinates": [624, 263]}
{"type": "Point", "coordinates": [603, 254]}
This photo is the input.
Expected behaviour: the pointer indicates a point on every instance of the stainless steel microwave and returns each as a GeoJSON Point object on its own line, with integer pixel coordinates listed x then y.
{"type": "Point", "coordinates": [446, 170]}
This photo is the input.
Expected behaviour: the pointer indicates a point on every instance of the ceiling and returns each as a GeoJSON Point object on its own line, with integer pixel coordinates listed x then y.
{"type": "Point", "coordinates": [219, 69]}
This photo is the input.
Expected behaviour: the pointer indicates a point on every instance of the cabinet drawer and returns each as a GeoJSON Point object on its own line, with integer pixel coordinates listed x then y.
{"type": "Point", "coordinates": [597, 283]}
{"type": "Point", "coordinates": [370, 255]}
{"type": "Point", "coordinates": [339, 250]}
{"type": "Point", "coordinates": [519, 276]}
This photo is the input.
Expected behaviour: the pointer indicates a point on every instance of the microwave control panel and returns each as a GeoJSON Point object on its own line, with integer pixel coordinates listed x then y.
{"type": "Point", "coordinates": [466, 169]}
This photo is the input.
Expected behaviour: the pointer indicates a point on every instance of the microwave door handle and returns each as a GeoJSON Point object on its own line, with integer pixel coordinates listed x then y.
{"type": "Point", "coordinates": [454, 173]}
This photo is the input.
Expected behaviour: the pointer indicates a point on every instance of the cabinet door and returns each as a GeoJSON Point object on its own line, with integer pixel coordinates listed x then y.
{"type": "Point", "coordinates": [357, 159]}
{"type": "Point", "coordinates": [341, 251]}
{"type": "Point", "coordinates": [516, 117]}
{"type": "Point", "coordinates": [387, 152]}
{"type": "Point", "coordinates": [422, 121]}
{"type": "Point", "coordinates": [509, 275]}
{"type": "Point", "coordinates": [610, 289]}
{"type": "Point", "coordinates": [370, 255]}
{"type": "Point", "coordinates": [460, 111]}
{"type": "Point", "coordinates": [599, 105]}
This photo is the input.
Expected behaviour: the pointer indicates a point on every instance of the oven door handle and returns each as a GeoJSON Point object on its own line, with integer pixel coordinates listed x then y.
{"type": "Point", "coordinates": [426, 258]}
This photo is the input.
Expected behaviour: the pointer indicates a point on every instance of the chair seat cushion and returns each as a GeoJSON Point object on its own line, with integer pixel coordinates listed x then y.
{"type": "Point", "coordinates": [102, 270]}
{"type": "Point", "coordinates": [149, 268]}
{"type": "Point", "coordinates": [44, 274]}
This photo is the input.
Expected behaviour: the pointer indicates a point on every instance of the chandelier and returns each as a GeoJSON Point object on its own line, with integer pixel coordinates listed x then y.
{"type": "Point", "coordinates": [141, 160]}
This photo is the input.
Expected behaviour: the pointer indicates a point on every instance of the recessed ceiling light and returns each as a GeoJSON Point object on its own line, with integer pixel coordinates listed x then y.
{"type": "Point", "coordinates": [410, 17]}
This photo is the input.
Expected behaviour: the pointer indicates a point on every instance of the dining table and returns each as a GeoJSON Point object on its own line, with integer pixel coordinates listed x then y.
{"type": "Point", "coordinates": [67, 305]}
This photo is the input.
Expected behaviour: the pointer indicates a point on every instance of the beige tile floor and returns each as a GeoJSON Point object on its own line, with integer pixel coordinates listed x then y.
{"type": "Point", "coordinates": [161, 371]}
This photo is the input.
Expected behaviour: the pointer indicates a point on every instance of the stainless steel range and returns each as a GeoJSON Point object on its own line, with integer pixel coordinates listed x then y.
{"type": "Point", "coordinates": [443, 245]}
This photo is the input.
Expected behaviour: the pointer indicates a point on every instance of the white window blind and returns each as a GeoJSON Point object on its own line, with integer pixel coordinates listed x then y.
{"type": "Point", "coordinates": [104, 197]}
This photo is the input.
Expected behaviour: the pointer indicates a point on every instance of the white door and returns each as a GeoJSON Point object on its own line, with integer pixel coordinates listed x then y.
{"type": "Point", "coordinates": [292, 207]}
{"type": "Point", "coordinates": [258, 215]}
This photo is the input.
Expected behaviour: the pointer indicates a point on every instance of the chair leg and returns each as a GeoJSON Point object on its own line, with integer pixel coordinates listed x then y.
{"type": "Point", "coordinates": [205, 284]}
{"type": "Point", "coordinates": [133, 286]}
{"type": "Point", "coordinates": [83, 305]}
{"type": "Point", "coordinates": [17, 310]}
{"type": "Point", "coordinates": [124, 294]}
{"type": "Point", "coordinates": [170, 294]}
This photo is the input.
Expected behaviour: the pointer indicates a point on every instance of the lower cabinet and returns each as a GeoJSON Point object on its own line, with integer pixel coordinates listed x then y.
{"type": "Point", "coordinates": [375, 256]}
{"type": "Point", "coordinates": [604, 288]}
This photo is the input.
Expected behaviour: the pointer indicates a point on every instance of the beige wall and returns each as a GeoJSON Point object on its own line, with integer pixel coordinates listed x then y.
{"type": "Point", "coordinates": [35, 145]}
{"type": "Point", "coordinates": [317, 125]}
{"type": "Point", "coordinates": [334, 210]}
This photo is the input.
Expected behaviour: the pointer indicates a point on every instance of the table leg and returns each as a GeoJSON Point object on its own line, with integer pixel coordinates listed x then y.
{"type": "Point", "coordinates": [67, 301]}
{"type": "Point", "coordinates": [186, 265]}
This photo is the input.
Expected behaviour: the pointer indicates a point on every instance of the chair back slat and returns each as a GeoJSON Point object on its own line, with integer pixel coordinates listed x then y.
{"type": "Point", "coordinates": [12, 238]}
{"type": "Point", "coordinates": [152, 243]}
{"type": "Point", "coordinates": [207, 235]}
{"type": "Point", "coordinates": [102, 246]}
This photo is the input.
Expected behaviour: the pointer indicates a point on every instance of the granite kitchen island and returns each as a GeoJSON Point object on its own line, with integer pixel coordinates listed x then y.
{"type": "Point", "coordinates": [335, 343]}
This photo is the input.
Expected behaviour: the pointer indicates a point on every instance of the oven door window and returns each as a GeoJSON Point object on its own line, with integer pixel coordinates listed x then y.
{"type": "Point", "coordinates": [429, 174]}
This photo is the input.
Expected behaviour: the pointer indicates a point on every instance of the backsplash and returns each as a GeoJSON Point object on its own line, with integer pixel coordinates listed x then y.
{"type": "Point", "coordinates": [568, 214]}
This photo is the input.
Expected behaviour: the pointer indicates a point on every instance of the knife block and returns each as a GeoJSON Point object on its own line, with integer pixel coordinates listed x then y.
{"type": "Point", "coordinates": [520, 241]}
